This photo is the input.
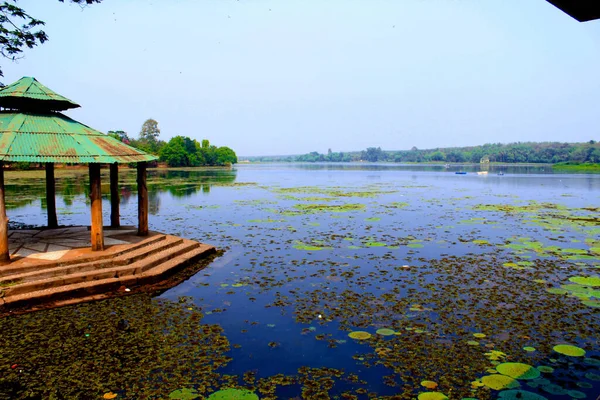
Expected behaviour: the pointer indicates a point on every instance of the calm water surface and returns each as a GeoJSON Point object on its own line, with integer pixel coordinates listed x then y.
{"type": "Point", "coordinates": [449, 276]}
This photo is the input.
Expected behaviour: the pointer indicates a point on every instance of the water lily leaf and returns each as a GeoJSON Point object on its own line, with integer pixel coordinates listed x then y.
{"type": "Point", "coordinates": [518, 370]}
{"type": "Point", "coordinates": [184, 394]}
{"type": "Point", "coordinates": [233, 394]}
{"type": "Point", "coordinates": [359, 335]}
{"type": "Point", "coordinates": [569, 350]}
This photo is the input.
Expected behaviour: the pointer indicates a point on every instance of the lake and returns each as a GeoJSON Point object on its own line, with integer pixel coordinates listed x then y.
{"type": "Point", "coordinates": [343, 281]}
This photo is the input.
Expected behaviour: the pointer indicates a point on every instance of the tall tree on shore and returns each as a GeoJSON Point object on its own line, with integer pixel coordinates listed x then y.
{"type": "Point", "coordinates": [149, 133]}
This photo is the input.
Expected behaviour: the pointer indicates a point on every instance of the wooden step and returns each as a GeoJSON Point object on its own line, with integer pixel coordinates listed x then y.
{"type": "Point", "coordinates": [22, 267]}
{"type": "Point", "coordinates": [161, 271]}
{"type": "Point", "coordinates": [91, 274]}
{"type": "Point", "coordinates": [100, 285]}
{"type": "Point", "coordinates": [145, 251]}
{"type": "Point", "coordinates": [122, 258]}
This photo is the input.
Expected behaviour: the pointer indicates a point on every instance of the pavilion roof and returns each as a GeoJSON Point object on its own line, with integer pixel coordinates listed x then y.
{"type": "Point", "coordinates": [27, 94]}
{"type": "Point", "coordinates": [55, 138]}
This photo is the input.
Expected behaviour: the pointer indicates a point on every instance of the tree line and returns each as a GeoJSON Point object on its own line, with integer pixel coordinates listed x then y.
{"type": "Point", "coordinates": [180, 151]}
{"type": "Point", "coordinates": [522, 152]}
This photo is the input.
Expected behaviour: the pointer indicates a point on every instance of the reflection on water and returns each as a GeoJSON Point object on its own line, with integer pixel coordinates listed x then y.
{"type": "Point", "coordinates": [26, 187]}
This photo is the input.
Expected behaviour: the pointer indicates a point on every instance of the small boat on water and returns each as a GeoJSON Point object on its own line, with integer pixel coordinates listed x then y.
{"type": "Point", "coordinates": [460, 173]}
{"type": "Point", "coordinates": [500, 173]}
{"type": "Point", "coordinates": [482, 172]}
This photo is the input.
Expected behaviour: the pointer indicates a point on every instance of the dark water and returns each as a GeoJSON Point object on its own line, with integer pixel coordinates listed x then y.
{"type": "Point", "coordinates": [314, 252]}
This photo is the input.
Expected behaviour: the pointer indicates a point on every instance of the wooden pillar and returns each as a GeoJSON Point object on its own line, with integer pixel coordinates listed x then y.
{"type": "Point", "coordinates": [51, 196]}
{"type": "Point", "coordinates": [142, 199]}
{"type": "Point", "coordinates": [4, 254]}
{"type": "Point", "coordinates": [114, 196]}
{"type": "Point", "coordinates": [96, 199]}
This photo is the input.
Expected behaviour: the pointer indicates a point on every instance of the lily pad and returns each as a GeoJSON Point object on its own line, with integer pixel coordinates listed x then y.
{"type": "Point", "coordinates": [184, 394]}
{"type": "Point", "coordinates": [233, 394]}
{"type": "Point", "coordinates": [429, 384]}
{"type": "Point", "coordinates": [586, 280]}
{"type": "Point", "coordinates": [520, 395]}
{"type": "Point", "coordinates": [499, 382]}
{"type": "Point", "coordinates": [385, 332]}
{"type": "Point", "coordinates": [359, 335]}
{"type": "Point", "coordinates": [569, 350]}
{"type": "Point", "coordinates": [518, 370]}
{"type": "Point", "coordinates": [432, 396]}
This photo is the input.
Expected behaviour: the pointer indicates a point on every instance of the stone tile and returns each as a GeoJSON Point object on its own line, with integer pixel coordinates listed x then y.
{"type": "Point", "coordinates": [76, 229]}
{"type": "Point", "coordinates": [120, 232]}
{"type": "Point", "coordinates": [55, 247]}
{"type": "Point", "coordinates": [25, 252]}
{"type": "Point", "coordinates": [111, 241]}
{"type": "Point", "coordinates": [20, 235]}
{"type": "Point", "coordinates": [38, 246]}
{"type": "Point", "coordinates": [53, 255]}
{"type": "Point", "coordinates": [50, 233]}
{"type": "Point", "coordinates": [14, 249]}
{"type": "Point", "coordinates": [27, 231]}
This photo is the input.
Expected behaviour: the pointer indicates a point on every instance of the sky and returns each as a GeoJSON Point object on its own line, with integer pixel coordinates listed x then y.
{"type": "Point", "coordinates": [278, 77]}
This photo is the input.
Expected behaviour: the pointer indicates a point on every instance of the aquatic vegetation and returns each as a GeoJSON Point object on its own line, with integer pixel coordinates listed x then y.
{"type": "Point", "coordinates": [518, 370]}
{"type": "Point", "coordinates": [499, 382]}
{"type": "Point", "coordinates": [569, 350]}
{"type": "Point", "coordinates": [520, 395]}
{"type": "Point", "coordinates": [184, 394]}
{"type": "Point", "coordinates": [309, 247]}
{"type": "Point", "coordinates": [586, 280]}
{"type": "Point", "coordinates": [337, 208]}
{"type": "Point", "coordinates": [432, 396]}
{"type": "Point", "coordinates": [545, 369]}
{"type": "Point", "coordinates": [359, 335]}
{"type": "Point", "coordinates": [385, 332]}
{"type": "Point", "coordinates": [233, 394]}
{"type": "Point", "coordinates": [429, 384]}
{"type": "Point", "coordinates": [433, 270]}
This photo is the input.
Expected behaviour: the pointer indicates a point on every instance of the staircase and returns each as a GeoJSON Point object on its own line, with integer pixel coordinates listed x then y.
{"type": "Point", "coordinates": [44, 284]}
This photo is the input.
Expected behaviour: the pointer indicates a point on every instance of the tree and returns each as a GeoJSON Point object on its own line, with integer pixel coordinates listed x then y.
{"type": "Point", "coordinates": [226, 156]}
{"type": "Point", "coordinates": [149, 136]}
{"type": "Point", "coordinates": [120, 135]}
{"type": "Point", "coordinates": [18, 29]}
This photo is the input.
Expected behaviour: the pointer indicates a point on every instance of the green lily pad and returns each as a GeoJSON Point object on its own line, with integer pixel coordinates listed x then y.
{"type": "Point", "coordinates": [233, 394]}
{"type": "Point", "coordinates": [586, 280]}
{"type": "Point", "coordinates": [432, 396]}
{"type": "Point", "coordinates": [569, 350]}
{"type": "Point", "coordinates": [519, 395]}
{"type": "Point", "coordinates": [499, 382]}
{"type": "Point", "coordinates": [184, 394]}
{"type": "Point", "coordinates": [518, 370]}
{"type": "Point", "coordinates": [385, 332]}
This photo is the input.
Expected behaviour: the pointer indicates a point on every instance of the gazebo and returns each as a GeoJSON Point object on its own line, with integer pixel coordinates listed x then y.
{"type": "Point", "coordinates": [32, 129]}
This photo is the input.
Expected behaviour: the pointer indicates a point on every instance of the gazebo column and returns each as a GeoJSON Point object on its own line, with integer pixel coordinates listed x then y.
{"type": "Point", "coordinates": [96, 199]}
{"type": "Point", "coordinates": [142, 199]}
{"type": "Point", "coordinates": [51, 196]}
{"type": "Point", "coordinates": [114, 196]}
{"type": "Point", "coordinates": [4, 254]}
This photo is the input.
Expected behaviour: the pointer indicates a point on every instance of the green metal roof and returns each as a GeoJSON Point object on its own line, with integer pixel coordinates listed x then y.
{"type": "Point", "coordinates": [56, 138]}
{"type": "Point", "coordinates": [28, 94]}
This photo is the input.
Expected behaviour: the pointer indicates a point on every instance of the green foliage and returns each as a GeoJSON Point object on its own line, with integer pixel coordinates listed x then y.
{"type": "Point", "coordinates": [529, 152]}
{"type": "Point", "coordinates": [18, 29]}
{"type": "Point", "coordinates": [181, 151]}
{"type": "Point", "coordinates": [120, 136]}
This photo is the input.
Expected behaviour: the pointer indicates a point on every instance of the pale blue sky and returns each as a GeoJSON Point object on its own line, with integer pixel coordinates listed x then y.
{"type": "Point", "coordinates": [269, 77]}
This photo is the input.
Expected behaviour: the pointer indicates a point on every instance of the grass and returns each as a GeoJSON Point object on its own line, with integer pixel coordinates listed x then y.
{"type": "Point", "coordinates": [576, 167]}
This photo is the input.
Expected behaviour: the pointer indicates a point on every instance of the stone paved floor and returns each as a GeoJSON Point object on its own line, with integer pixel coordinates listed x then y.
{"type": "Point", "coordinates": [52, 244]}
